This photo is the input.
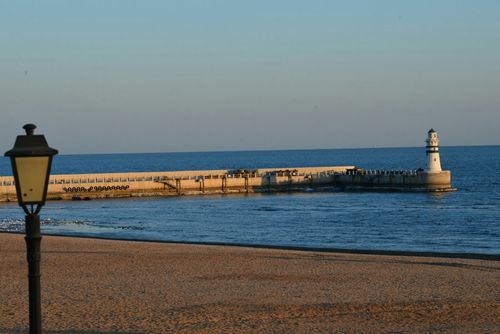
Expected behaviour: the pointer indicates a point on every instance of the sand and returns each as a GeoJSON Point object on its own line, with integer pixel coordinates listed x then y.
{"type": "Point", "coordinates": [103, 286]}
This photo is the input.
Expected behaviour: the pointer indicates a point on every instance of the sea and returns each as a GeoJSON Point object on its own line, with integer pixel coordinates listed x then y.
{"type": "Point", "coordinates": [464, 221]}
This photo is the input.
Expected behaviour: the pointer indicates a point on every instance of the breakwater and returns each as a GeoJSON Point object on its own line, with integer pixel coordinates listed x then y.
{"type": "Point", "coordinates": [111, 185]}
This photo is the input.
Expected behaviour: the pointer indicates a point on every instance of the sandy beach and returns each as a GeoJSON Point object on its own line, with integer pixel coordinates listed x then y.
{"type": "Point", "coordinates": [103, 286]}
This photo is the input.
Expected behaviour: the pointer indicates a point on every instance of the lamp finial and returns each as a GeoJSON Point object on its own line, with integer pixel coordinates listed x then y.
{"type": "Point", "coordinates": [30, 129]}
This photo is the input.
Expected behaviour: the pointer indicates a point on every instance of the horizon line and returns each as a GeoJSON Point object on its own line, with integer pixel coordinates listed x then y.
{"type": "Point", "coordinates": [277, 149]}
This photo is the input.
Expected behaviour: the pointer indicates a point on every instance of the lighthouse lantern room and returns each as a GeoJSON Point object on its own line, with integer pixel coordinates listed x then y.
{"type": "Point", "coordinates": [432, 150]}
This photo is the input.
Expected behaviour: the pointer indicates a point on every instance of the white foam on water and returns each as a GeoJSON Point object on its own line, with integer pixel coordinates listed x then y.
{"type": "Point", "coordinates": [11, 225]}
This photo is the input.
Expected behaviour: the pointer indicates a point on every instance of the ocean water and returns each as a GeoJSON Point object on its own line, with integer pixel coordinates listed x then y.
{"type": "Point", "coordinates": [467, 220]}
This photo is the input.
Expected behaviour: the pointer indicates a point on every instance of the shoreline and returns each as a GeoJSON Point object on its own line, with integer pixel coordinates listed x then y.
{"type": "Point", "coordinates": [96, 285]}
{"type": "Point", "coordinates": [353, 251]}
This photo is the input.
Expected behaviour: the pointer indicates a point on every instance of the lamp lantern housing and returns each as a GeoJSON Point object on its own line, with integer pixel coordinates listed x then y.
{"type": "Point", "coordinates": [31, 159]}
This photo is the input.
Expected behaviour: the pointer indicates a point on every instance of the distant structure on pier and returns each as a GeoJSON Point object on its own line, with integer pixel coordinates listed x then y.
{"type": "Point", "coordinates": [432, 150]}
{"type": "Point", "coordinates": [201, 182]}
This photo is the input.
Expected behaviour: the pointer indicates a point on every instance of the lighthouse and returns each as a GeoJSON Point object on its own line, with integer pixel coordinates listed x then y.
{"type": "Point", "coordinates": [432, 150]}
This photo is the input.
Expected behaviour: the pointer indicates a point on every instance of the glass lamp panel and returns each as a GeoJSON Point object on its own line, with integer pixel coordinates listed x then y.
{"type": "Point", "coordinates": [32, 172]}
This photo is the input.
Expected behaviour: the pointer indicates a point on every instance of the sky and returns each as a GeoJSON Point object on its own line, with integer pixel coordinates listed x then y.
{"type": "Point", "coordinates": [172, 76]}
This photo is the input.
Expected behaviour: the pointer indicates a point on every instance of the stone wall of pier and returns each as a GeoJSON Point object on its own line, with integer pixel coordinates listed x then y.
{"type": "Point", "coordinates": [83, 186]}
{"type": "Point", "coordinates": [393, 179]}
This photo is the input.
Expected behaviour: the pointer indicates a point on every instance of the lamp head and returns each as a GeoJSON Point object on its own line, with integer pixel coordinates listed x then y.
{"type": "Point", "coordinates": [31, 159]}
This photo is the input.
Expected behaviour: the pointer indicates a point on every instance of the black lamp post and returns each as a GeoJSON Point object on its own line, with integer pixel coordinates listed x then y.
{"type": "Point", "coordinates": [31, 159]}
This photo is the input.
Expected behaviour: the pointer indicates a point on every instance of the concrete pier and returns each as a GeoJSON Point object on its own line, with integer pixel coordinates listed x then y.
{"type": "Point", "coordinates": [90, 186]}
{"type": "Point", "coordinates": [419, 180]}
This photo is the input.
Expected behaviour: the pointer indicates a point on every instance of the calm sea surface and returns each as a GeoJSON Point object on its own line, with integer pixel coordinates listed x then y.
{"type": "Point", "coordinates": [467, 220]}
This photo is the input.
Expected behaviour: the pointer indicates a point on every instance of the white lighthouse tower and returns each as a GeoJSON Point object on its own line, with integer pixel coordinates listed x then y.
{"type": "Point", "coordinates": [432, 150]}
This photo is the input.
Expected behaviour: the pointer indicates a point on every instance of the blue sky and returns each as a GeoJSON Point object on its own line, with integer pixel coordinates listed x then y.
{"type": "Point", "coordinates": [163, 76]}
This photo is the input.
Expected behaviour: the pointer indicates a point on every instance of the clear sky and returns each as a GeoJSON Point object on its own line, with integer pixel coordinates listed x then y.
{"type": "Point", "coordinates": [161, 76]}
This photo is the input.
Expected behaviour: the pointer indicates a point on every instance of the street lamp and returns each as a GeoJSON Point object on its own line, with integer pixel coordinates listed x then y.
{"type": "Point", "coordinates": [31, 159]}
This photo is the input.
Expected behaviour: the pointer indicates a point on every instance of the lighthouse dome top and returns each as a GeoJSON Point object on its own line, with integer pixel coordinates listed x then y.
{"type": "Point", "coordinates": [432, 130]}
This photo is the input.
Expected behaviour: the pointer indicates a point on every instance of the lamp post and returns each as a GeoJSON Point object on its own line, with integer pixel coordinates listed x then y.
{"type": "Point", "coordinates": [31, 159]}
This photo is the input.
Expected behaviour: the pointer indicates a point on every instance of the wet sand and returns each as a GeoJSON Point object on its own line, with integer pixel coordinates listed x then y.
{"type": "Point", "coordinates": [102, 286]}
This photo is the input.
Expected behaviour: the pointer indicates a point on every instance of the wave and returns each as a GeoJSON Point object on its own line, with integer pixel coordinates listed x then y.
{"type": "Point", "coordinates": [11, 225]}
